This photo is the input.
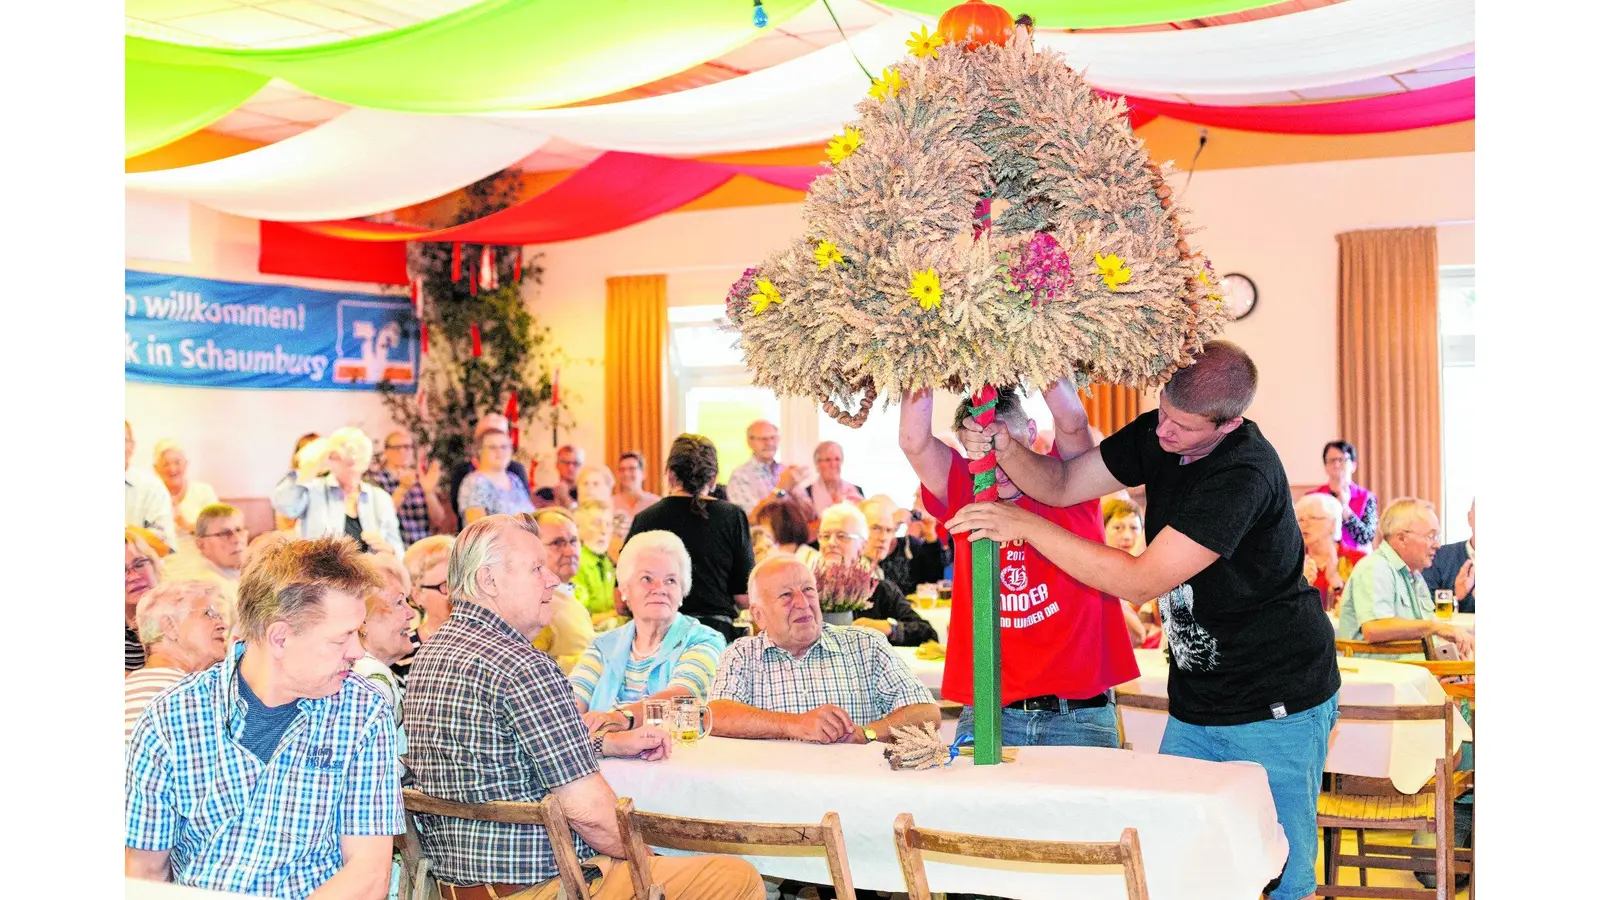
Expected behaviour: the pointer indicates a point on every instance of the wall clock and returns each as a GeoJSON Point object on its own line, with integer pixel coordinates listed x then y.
{"type": "Point", "coordinates": [1238, 295]}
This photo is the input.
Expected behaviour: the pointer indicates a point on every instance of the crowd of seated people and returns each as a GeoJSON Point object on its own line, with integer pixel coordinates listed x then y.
{"type": "Point", "coordinates": [364, 629]}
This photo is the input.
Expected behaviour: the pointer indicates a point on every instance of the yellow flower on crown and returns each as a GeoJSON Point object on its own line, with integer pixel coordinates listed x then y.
{"type": "Point", "coordinates": [827, 254]}
{"type": "Point", "coordinates": [925, 287]}
{"type": "Point", "coordinates": [1112, 270]}
{"type": "Point", "coordinates": [887, 86]}
{"type": "Point", "coordinates": [843, 145]}
{"type": "Point", "coordinates": [766, 295]}
{"type": "Point", "coordinates": [923, 45]}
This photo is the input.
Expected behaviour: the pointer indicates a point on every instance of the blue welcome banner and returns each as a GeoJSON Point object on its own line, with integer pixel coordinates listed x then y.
{"type": "Point", "coordinates": [203, 333]}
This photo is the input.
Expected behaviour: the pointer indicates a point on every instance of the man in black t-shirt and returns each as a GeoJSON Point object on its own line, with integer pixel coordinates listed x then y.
{"type": "Point", "coordinates": [1254, 675]}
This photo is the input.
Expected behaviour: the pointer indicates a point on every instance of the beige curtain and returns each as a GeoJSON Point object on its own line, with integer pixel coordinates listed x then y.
{"type": "Point", "coordinates": [636, 338]}
{"type": "Point", "coordinates": [1110, 406]}
{"type": "Point", "coordinates": [1389, 360]}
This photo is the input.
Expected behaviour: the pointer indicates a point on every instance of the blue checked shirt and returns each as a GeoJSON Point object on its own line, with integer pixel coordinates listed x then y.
{"type": "Point", "coordinates": [488, 718]}
{"type": "Point", "coordinates": [233, 823]}
{"type": "Point", "coordinates": [851, 668]}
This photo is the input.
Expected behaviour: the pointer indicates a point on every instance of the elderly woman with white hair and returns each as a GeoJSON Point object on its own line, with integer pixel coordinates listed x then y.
{"type": "Point", "coordinates": [338, 502]}
{"type": "Point", "coordinates": [660, 653]}
{"type": "Point", "coordinates": [188, 497]}
{"type": "Point", "coordinates": [428, 565]}
{"type": "Point", "coordinates": [182, 632]}
{"type": "Point", "coordinates": [1328, 561]}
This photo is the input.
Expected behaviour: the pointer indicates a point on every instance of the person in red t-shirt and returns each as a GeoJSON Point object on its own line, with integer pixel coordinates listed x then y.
{"type": "Point", "coordinates": [1063, 646]}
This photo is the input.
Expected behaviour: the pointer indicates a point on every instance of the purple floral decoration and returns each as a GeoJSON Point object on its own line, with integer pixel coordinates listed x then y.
{"type": "Point", "coordinates": [738, 301]}
{"type": "Point", "coordinates": [1044, 272]}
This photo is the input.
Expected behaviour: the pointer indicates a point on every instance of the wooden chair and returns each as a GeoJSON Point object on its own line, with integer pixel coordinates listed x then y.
{"type": "Point", "coordinates": [1386, 648]}
{"type": "Point", "coordinates": [1137, 701]}
{"type": "Point", "coordinates": [640, 830]}
{"type": "Point", "coordinates": [1445, 668]}
{"type": "Point", "coordinates": [910, 842]}
{"type": "Point", "coordinates": [1432, 809]}
{"type": "Point", "coordinates": [546, 814]}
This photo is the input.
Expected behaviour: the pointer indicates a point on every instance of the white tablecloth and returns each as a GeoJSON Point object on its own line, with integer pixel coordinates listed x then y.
{"type": "Point", "coordinates": [1208, 830]}
{"type": "Point", "coordinates": [928, 671]}
{"type": "Point", "coordinates": [1403, 752]}
{"type": "Point", "coordinates": [939, 618]}
{"type": "Point", "coordinates": [1465, 620]}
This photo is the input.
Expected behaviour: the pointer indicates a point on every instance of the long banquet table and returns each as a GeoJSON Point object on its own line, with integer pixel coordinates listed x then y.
{"type": "Point", "coordinates": [1403, 752]}
{"type": "Point", "coordinates": [1208, 830]}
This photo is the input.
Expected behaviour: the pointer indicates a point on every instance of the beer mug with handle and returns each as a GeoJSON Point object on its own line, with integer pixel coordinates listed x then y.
{"type": "Point", "coordinates": [691, 719]}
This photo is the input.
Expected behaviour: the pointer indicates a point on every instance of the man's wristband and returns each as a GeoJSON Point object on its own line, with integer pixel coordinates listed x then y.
{"type": "Point", "coordinates": [599, 744]}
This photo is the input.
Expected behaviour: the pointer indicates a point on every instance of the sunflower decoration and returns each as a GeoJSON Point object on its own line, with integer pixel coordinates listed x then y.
{"type": "Point", "coordinates": [1013, 206]}
{"type": "Point", "coordinates": [843, 145]}
{"type": "Point", "coordinates": [925, 288]}
{"type": "Point", "coordinates": [887, 86]}
{"type": "Point", "coordinates": [827, 254]}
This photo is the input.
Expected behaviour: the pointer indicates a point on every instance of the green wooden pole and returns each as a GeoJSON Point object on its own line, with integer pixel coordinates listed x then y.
{"type": "Point", "coordinates": [985, 653]}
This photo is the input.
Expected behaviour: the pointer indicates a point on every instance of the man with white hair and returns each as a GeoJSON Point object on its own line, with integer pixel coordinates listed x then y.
{"type": "Point", "coordinates": [829, 487]}
{"type": "Point", "coordinates": [571, 627]}
{"type": "Point", "coordinates": [842, 535]}
{"type": "Point", "coordinates": [762, 477]}
{"type": "Point", "coordinates": [802, 680]}
{"type": "Point", "coordinates": [182, 632]}
{"type": "Point", "coordinates": [146, 503]}
{"type": "Point", "coordinates": [1387, 599]}
{"type": "Point", "coordinates": [273, 774]}
{"type": "Point", "coordinates": [217, 556]}
{"type": "Point", "coordinates": [338, 503]}
{"type": "Point", "coordinates": [907, 561]}
{"type": "Point", "coordinates": [479, 691]}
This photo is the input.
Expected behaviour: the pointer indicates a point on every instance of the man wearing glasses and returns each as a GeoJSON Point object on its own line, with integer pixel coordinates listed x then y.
{"type": "Point", "coordinates": [1386, 598]}
{"type": "Point", "coordinates": [220, 540]}
{"type": "Point", "coordinates": [842, 535]}
{"type": "Point", "coordinates": [415, 493]}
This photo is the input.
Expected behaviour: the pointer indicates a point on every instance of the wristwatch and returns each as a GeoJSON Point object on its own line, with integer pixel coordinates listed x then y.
{"type": "Point", "coordinates": [599, 744]}
{"type": "Point", "coordinates": [869, 734]}
{"type": "Point", "coordinates": [627, 714]}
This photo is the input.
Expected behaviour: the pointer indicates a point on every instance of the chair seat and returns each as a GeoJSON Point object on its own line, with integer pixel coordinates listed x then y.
{"type": "Point", "coordinates": [1389, 807]}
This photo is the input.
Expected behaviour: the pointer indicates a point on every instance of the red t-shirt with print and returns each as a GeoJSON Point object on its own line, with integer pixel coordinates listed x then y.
{"type": "Point", "coordinates": [1058, 636]}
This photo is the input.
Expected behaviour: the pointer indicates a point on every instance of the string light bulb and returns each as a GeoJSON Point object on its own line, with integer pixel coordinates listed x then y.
{"type": "Point", "coordinates": [760, 16]}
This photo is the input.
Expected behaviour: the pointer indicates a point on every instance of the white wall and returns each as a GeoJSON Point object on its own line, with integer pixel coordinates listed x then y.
{"type": "Point", "coordinates": [239, 440]}
{"type": "Point", "coordinates": [1275, 224]}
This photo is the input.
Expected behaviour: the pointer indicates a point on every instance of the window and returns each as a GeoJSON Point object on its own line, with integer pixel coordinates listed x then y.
{"type": "Point", "coordinates": [713, 393]}
{"type": "Point", "coordinates": [1458, 396]}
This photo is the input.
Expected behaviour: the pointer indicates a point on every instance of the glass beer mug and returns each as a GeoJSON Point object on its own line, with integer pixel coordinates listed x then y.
{"type": "Point", "coordinates": [686, 719]}
{"type": "Point", "coordinates": [1444, 604]}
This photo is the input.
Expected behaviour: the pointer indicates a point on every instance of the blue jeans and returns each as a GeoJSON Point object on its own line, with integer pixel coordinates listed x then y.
{"type": "Point", "coordinates": [1094, 727]}
{"type": "Point", "coordinates": [1293, 750]}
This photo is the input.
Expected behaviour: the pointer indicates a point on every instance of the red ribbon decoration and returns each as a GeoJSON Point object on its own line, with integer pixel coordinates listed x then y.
{"type": "Point", "coordinates": [511, 418]}
{"type": "Point", "coordinates": [477, 342]}
{"type": "Point", "coordinates": [486, 268]}
{"type": "Point", "coordinates": [416, 292]}
{"type": "Point", "coordinates": [424, 327]}
{"type": "Point", "coordinates": [516, 267]}
{"type": "Point", "coordinates": [555, 388]}
{"type": "Point", "coordinates": [982, 396]}
{"type": "Point", "coordinates": [455, 262]}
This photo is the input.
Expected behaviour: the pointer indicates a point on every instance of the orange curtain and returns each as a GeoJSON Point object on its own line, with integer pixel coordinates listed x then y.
{"type": "Point", "coordinates": [1110, 406]}
{"type": "Point", "coordinates": [1389, 360]}
{"type": "Point", "coordinates": [636, 338]}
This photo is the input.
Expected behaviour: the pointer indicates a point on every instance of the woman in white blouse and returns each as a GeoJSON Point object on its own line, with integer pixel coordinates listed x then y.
{"type": "Point", "coordinates": [339, 502]}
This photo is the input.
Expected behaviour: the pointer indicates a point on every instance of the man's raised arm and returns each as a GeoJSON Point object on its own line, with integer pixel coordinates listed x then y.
{"type": "Point", "coordinates": [929, 456]}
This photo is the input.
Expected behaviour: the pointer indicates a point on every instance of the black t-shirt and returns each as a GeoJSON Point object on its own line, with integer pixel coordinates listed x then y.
{"type": "Point", "coordinates": [720, 554]}
{"type": "Point", "coordinates": [1247, 636]}
{"type": "Point", "coordinates": [913, 562]}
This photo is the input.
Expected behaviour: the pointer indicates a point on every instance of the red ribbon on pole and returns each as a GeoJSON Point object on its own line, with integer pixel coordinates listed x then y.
{"type": "Point", "coordinates": [516, 267]}
{"type": "Point", "coordinates": [455, 262]}
{"type": "Point", "coordinates": [555, 388]}
{"type": "Point", "coordinates": [477, 342]}
{"type": "Point", "coordinates": [511, 418]}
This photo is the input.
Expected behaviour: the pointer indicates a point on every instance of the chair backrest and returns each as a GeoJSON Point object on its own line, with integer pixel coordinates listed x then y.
{"type": "Point", "coordinates": [546, 814]}
{"type": "Point", "coordinates": [1386, 648]}
{"type": "Point", "coordinates": [910, 842]}
{"type": "Point", "coordinates": [641, 830]}
{"type": "Point", "coordinates": [1137, 701]}
{"type": "Point", "coordinates": [1425, 712]}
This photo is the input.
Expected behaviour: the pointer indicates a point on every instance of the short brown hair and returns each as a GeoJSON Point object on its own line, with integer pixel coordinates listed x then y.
{"type": "Point", "coordinates": [1007, 408]}
{"type": "Point", "coordinates": [202, 522]}
{"type": "Point", "coordinates": [287, 582]}
{"type": "Point", "coordinates": [1116, 508]}
{"type": "Point", "coordinates": [1219, 384]}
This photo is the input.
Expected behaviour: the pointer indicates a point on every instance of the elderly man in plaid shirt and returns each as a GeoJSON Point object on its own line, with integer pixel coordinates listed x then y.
{"type": "Point", "coordinates": [489, 718]}
{"type": "Point", "coordinates": [274, 773]}
{"type": "Point", "coordinates": [802, 680]}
